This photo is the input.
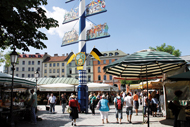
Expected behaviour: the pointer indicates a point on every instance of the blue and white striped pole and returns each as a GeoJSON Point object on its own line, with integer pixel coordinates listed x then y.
{"type": "Point", "coordinates": [82, 88]}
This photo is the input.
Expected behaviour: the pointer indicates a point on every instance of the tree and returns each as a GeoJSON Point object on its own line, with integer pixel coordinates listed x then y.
{"type": "Point", "coordinates": [170, 49]}
{"type": "Point", "coordinates": [1, 57]}
{"type": "Point", "coordinates": [20, 22]}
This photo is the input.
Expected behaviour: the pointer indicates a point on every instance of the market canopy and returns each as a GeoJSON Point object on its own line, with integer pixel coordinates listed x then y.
{"type": "Point", "coordinates": [57, 87]}
{"type": "Point", "coordinates": [101, 87]}
{"type": "Point", "coordinates": [44, 80]}
{"type": "Point", "coordinates": [6, 81]}
{"type": "Point", "coordinates": [144, 64]}
{"type": "Point", "coordinates": [181, 77]}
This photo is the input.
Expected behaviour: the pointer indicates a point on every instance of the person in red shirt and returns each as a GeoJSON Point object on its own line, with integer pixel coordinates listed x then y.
{"type": "Point", "coordinates": [75, 107]}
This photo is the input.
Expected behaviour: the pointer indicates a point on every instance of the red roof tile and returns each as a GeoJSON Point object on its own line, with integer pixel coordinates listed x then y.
{"type": "Point", "coordinates": [56, 58]}
{"type": "Point", "coordinates": [31, 55]}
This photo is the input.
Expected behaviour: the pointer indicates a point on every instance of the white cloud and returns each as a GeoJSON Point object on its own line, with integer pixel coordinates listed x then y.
{"type": "Point", "coordinates": [58, 14]}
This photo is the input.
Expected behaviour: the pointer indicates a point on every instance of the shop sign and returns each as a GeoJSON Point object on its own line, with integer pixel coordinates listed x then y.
{"type": "Point", "coordinates": [70, 37]}
{"type": "Point", "coordinates": [95, 7]}
{"type": "Point", "coordinates": [98, 31]}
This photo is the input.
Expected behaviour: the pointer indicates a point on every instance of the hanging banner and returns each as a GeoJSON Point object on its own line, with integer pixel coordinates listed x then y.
{"type": "Point", "coordinates": [70, 37]}
{"type": "Point", "coordinates": [72, 15]}
{"type": "Point", "coordinates": [98, 31]}
{"type": "Point", "coordinates": [95, 7]}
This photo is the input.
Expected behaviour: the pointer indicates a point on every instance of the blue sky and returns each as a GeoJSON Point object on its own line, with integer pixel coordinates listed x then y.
{"type": "Point", "coordinates": [133, 25]}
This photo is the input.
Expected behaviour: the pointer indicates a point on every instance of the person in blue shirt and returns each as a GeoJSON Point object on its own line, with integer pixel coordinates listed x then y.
{"type": "Point", "coordinates": [118, 111]}
{"type": "Point", "coordinates": [104, 108]}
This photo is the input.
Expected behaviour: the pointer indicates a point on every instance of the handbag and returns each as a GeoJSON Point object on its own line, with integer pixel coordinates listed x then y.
{"type": "Point", "coordinates": [69, 109]}
{"type": "Point", "coordinates": [98, 105]}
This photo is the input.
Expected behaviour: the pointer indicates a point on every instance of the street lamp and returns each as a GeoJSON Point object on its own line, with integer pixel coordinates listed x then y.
{"type": "Point", "coordinates": [36, 76]}
{"type": "Point", "coordinates": [14, 57]}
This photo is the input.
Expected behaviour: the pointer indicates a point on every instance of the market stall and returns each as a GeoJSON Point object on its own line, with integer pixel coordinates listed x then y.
{"type": "Point", "coordinates": [21, 97]}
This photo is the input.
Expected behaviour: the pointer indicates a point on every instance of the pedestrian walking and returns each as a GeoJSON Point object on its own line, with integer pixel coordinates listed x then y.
{"type": "Point", "coordinates": [128, 102]}
{"type": "Point", "coordinates": [33, 104]}
{"type": "Point", "coordinates": [104, 108]}
{"type": "Point", "coordinates": [93, 103]}
{"type": "Point", "coordinates": [145, 103]}
{"type": "Point", "coordinates": [136, 102]}
{"type": "Point", "coordinates": [75, 108]}
{"type": "Point", "coordinates": [154, 104]}
{"type": "Point", "coordinates": [63, 102]}
{"type": "Point", "coordinates": [52, 102]}
{"type": "Point", "coordinates": [118, 102]}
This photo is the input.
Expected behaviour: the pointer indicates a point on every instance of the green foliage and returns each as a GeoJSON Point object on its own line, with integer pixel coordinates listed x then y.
{"type": "Point", "coordinates": [7, 59]}
{"type": "Point", "coordinates": [170, 49]}
{"type": "Point", "coordinates": [1, 57]}
{"type": "Point", "coordinates": [20, 22]}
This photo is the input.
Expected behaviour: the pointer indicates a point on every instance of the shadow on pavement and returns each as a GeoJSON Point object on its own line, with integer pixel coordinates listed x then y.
{"type": "Point", "coordinates": [167, 122]}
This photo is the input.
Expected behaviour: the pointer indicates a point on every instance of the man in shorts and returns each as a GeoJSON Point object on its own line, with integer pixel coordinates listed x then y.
{"type": "Point", "coordinates": [136, 102]}
{"type": "Point", "coordinates": [128, 102]}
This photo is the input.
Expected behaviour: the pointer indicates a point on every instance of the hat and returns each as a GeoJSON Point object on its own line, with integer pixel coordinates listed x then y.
{"type": "Point", "coordinates": [73, 96]}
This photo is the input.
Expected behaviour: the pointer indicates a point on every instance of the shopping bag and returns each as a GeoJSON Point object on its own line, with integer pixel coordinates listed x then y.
{"type": "Point", "coordinates": [182, 115]}
{"type": "Point", "coordinates": [69, 109]}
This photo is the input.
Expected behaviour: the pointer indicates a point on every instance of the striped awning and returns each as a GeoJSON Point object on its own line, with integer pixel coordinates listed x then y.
{"type": "Point", "coordinates": [6, 79]}
{"type": "Point", "coordinates": [144, 64]}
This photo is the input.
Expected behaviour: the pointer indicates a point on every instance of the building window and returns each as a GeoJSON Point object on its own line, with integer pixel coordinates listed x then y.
{"type": "Point", "coordinates": [63, 76]}
{"type": "Point", "coordinates": [38, 69]}
{"type": "Point", "coordinates": [29, 69]}
{"type": "Point", "coordinates": [17, 69]}
{"type": "Point", "coordinates": [29, 62]}
{"type": "Point", "coordinates": [45, 65]}
{"type": "Point", "coordinates": [50, 64]}
{"type": "Point", "coordinates": [53, 64]}
{"type": "Point", "coordinates": [32, 75]}
{"type": "Point", "coordinates": [89, 70]}
{"type": "Point", "coordinates": [76, 71]}
{"type": "Point", "coordinates": [28, 75]}
{"type": "Point", "coordinates": [45, 71]}
{"type": "Point", "coordinates": [69, 76]}
{"type": "Point", "coordinates": [38, 62]}
{"type": "Point", "coordinates": [70, 71]}
{"type": "Point", "coordinates": [49, 70]}
{"type": "Point", "coordinates": [63, 64]}
{"type": "Point", "coordinates": [76, 77]}
{"type": "Point", "coordinates": [110, 54]}
{"type": "Point", "coordinates": [116, 53]}
{"type": "Point", "coordinates": [23, 69]}
{"type": "Point", "coordinates": [98, 62]}
{"type": "Point", "coordinates": [32, 69]}
{"type": "Point", "coordinates": [58, 76]}
{"type": "Point", "coordinates": [62, 70]}
{"type": "Point", "coordinates": [23, 62]}
{"type": "Point", "coordinates": [32, 62]}
{"type": "Point", "coordinates": [57, 64]}
{"type": "Point", "coordinates": [104, 61]}
{"type": "Point", "coordinates": [89, 78]}
{"type": "Point", "coordinates": [99, 77]}
{"type": "Point", "coordinates": [70, 64]}
{"type": "Point", "coordinates": [110, 61]}
{"type": "Point", "coordinates": [104, 77]}
{"type": "Point", "coordinates": [57, 70]}
{"type": "Point", "coordinates": [89, 62]}
{"type": "Point", "coordinates": [105, 54]}
{"type": "Point", "coordinates": [22, 75]}
{"type": "Point", "coordinates": [110, 77]}
{"type": "Point", "coordinates": [53, 70]}
{"type": "Point", "coordinates": [99, 70]}
{"type": "Point", "coordinates": [17, 75]}
{"type": "Point", "coordinates": [115, 59]}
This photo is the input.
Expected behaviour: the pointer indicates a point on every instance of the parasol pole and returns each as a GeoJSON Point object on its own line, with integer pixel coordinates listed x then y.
{"type": "Point", "coordinates": [147, 96]}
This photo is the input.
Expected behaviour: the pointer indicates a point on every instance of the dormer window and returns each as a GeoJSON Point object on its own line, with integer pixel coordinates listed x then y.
{"type": "Point", "coordinates": [110, 54]}
{"type": "Point", "coordinates": [116, 53]}
{"type": "Point", "coordinates": [105, 54]}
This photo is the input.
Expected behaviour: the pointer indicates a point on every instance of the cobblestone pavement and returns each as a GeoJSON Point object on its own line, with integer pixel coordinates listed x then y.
{"type": "Point", "coordinates": [88, 120]}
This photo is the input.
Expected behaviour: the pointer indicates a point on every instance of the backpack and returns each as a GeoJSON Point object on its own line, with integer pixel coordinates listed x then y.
{"type": "Point", "coordinates": [119, 104]}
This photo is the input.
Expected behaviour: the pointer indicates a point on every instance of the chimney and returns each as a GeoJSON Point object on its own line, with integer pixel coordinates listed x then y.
{"type": "Point", "coordinates": [63, 54]}
{"type": "Point", "coordinates": [55, 54]}
{"type": "Point", "coordinates": [45, 53]}
{"type": "Point", "coordinates": [22, 52]}
{"type": "Point", "coordinates": [67, 54]}
{"type": "Point", "coordinates": [37, 53]}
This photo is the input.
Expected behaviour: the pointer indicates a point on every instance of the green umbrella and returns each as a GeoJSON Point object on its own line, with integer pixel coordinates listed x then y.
{"type": "Point", "coordinates": [181, 77]}
{"type": "Point", "coordinates": [144, 64]}
{"type": "Point", "coordinates": [6, 79]}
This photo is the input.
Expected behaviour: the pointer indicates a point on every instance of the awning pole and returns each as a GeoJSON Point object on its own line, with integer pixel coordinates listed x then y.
{"type": "Point", "coordinates": [147, 96]}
